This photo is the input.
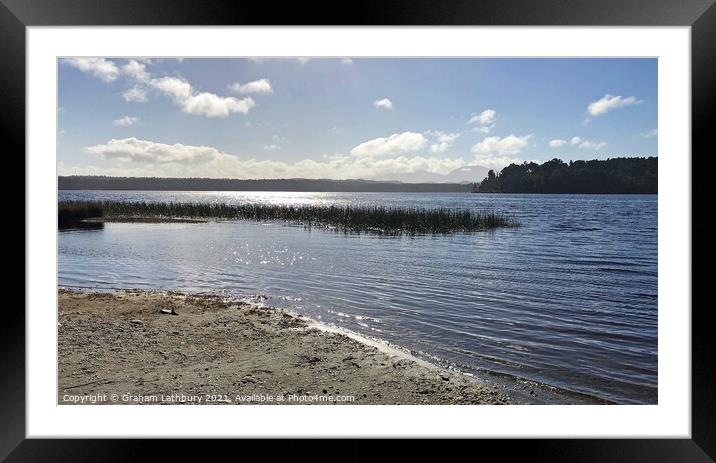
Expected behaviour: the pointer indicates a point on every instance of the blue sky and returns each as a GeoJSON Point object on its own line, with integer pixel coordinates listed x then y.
{"type": "Point", "coordinates": [391, 118]}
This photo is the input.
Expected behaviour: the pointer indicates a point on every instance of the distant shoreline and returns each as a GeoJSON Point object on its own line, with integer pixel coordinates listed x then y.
{"type": "Point", "coordinates": [288, 185]}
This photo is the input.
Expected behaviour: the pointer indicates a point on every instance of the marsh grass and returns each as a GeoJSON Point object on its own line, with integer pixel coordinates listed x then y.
{"type": "Point", "coordinates": [378, 219]}
{"type": "Point", "coordinates": [73, 212]}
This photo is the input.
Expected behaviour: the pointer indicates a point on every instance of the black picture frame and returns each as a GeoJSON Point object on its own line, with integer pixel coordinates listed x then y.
{"type": "Point", "coordinates": [16, 15]}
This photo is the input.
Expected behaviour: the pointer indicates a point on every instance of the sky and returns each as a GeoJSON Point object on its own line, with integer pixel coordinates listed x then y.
{"type": "Point", "coordinates": [341, 118]}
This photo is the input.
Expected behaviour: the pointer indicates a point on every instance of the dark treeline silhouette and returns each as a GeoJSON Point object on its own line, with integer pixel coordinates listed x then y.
{"type": "Point", "coordinates": [220, 184]}
{"type": "Point", "coordinates": [611, 176]}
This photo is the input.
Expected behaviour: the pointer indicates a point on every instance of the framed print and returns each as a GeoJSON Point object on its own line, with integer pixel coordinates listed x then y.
{"type": "Point", "coordinates": [456, 220]}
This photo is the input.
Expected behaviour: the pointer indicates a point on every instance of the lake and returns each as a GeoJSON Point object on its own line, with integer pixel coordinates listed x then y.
{"type": "Point", "coordinates": [568, 299]}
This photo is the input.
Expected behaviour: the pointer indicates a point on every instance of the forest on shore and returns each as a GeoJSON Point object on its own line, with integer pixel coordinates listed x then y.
{"type": "Point", "coordinates": [610, 176]}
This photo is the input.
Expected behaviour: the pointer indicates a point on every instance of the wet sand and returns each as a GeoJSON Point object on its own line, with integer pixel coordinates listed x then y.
{"type": "Point", "coordinates": [231, 352]}
{"type": "Point", "coordinates": [126, 347]}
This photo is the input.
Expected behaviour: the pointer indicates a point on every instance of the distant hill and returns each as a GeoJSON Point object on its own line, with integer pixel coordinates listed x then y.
{"type": "Point", "coordinates": [77, 182]}
{"type": "Point", "coordinates": [467, 174]}
{"type": "Point", "coordinates": [610, 176]}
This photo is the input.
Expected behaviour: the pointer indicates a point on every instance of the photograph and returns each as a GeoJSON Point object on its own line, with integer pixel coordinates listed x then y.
{"type": "Point", "coordinates": [357, 230]}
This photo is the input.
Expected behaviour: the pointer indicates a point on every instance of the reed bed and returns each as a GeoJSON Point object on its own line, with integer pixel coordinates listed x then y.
{"type": "Point", "coordinates": [72, 212]}
{"type": "Point", "coordinates": [379, 219]}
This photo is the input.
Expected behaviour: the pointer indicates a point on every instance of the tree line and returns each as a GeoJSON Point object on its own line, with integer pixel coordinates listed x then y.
{"type": "Point", "coordinates": [610, 176]}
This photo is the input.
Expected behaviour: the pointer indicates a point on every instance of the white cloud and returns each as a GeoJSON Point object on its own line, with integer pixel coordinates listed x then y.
{"type": "Point", "coordinates": [142, 151]}
{"type": "Point", "coordinates": [587, 144]}
{"type": "Point", "coordinates": [443, 141]}
{"type": "Point", "coordinates": [102, 68]}
{"type": "Point", "coordinates": [497, 152]}
{"type": "Point", "coordinates": [131, 156]}
{"type": "Point", "coordinates": [204, 103]}
{"type": "Point", "coordinates": [557, 143]}
{"type": "Point", "coordinates": [650, 133]}
{"type": "Point", "coordinates": [398, 143]}
{"type": "Point", "coordinates": [384, 103]}
{"type": "Point", "coordinates": [191, 101]}
{"type": "Point", "coordinates": [175, 87]}
{"type": "Point", "coordinates": [347, 61]}
{"type": "Point", "coordinates": [592, 145]}
{"type": "Point", "coordinates": [303, 60]}
{"type": "Point", "coordinates": [485, 121]}
{"type": "Point", "coordinates": [135, 94]}
{"type": "Point", "coordinates": [125, 121]}
{"type": "Point", "coordinates": [211, 105]}
{"type": "Point", "coordinates": [609, 102]}
{"type": "Point", "coordinates": [257, 86]}
{"type": "Point", "coordinates": [487, 117]}
{"type": "Point", "coordinates": [507, 146]}
{"type": "Point", "coordinates": [272, 147]}
{"type": "Point", "coordinates": [136, 70]}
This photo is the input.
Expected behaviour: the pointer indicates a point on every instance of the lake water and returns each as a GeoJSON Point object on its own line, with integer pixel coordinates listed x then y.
{"type": "Point", "coordinates": [568, 299]}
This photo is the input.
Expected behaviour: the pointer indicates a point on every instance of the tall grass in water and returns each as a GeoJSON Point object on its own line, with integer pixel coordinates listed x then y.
{"type": "Point", "coordinates": [72, 212]}
{"type": "Point", "coordinates": [390, 220]}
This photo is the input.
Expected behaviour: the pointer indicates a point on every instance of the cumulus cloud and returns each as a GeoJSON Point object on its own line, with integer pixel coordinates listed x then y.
{"type": "Point", "coordinates": [131, 156]}
{"type": "Point", "coordinates": [398, 143]}
{"type": "Point", "coordinates": [609, 102]}
{"type": "Point", "coordinates": [125, 121]}
{"type": "Point", "coordinates": [257, 86]}
{"type": "Point", "coordinates": [135, 94]}
{"type": "Point", "coordinates": [102, 68]}
{"type": "Point", "coordinates": [211, 105]}
{"type": "Point", "coordinates": [587, 144]}
{"type": "Point", "coordinates": [442, 141]}
{"type": "Point", "coordinates": [592, 145]}
{"type": "Point", "coordinates": [175, 87]}
{"type": "Point", "coordinates": [557, 143]}
{"type": "Point", "coordinates": [487, 117]}
{"type": "Point", "coordinates": [383, 103]}
{"type": "Point", "coordinates": [136, 70]}
{"type": "Point", "coordinates": [179, 89]}
{"type": "Point", "coordinates": [143, 151]}
{"type": "Point", "coordinates": [201, 103]}
{"type": "Point", "coordinates": [485, 120]}
{"type": "Point", "coordinates": [507, 146]}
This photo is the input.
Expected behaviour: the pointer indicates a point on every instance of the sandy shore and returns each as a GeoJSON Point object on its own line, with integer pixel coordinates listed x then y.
{"type": "Point", "coordinates": [119, 348]}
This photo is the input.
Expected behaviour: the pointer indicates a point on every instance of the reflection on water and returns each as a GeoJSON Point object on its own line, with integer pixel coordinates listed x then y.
{"type": "Point", "coordinates": [80, 226]}
{"type": "Point", "coordinates": [569, 298]}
